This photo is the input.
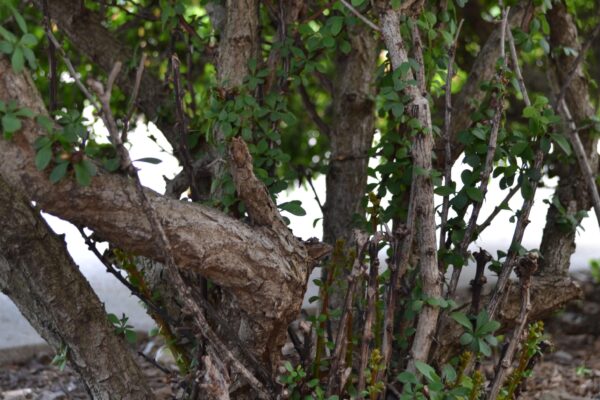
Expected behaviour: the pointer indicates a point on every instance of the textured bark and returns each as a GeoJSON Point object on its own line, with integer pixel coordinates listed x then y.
{"type": "Point", "coordinates": [264, 271]}
{"type": "Point", "coordinates": [558, 243]}
{"type": "Point", "coordinates": [239, 43]}
{"type": "Point", "coordinates": [548, 294]}
{"type": "Point", "coordinates": [351, 134]}
{"type": "Point", "coordinates": [38, 274]}
{"type": "Point", "coordinates": [422, 185]}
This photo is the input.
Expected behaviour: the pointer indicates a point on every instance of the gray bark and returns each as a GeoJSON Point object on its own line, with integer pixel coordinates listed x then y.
{"type": "Point", "coordinates": [264, 270]}
{"type": "Point", "coordinates": [558, 243]}
{"type": "Point", "coordinates": [40, 277]}
{"type": "Point", "coordinates": [351, 134]}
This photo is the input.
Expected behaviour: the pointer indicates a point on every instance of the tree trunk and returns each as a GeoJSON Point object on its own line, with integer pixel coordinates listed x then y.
{"type": "Point", "coordinates": [558, 240]}
{"type": "Point", "coordinates": [351, 134]}
{"type": "Point", "coordinates": [38, 274]}
{"type": "Point", "coordinates": [263, 268]}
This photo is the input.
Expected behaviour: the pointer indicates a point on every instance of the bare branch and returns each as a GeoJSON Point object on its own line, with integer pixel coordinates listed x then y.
{"type": "Point", "coordinates": [360, 16]}
{"type": "Point", "coordinates": [498, 103]}
{"type": "Point", "coordinates": [526, 268]}
{"type": "Point", "coordinates": [447, 137]}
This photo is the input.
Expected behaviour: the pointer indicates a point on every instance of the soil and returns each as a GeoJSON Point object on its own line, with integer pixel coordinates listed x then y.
{"type": "Point", "coordinates": [570, 372]}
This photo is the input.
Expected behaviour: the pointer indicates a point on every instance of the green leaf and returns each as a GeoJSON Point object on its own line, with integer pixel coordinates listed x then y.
{"type": "Point", "coordinates": [113, 319]}
{"type": "Point", "coordinates": [444, 190]}
{"type": "Point", "coordinates": [43, 157]}
{"type": "Point", "coordinates": [30, 57]}
{"type": "Point", "coordinates": [20, 20]}
{"type": "Point", "coordinates": [24, 112]}
{"type": "Point", "coordinates": [293, 207]}
{"type": "Point", "coordinates": [10, 123]}
{"type": "Point", "coordinates": [427, 370]}
{"type": "Point", "coordinates": [562, 142]}
{"type": "Point", "coordinates": [407, 377]}
{"type": "Point", "coordinates": [484, 348]}
{"type": "Point", "coordinates": [8, 35]}
{"type": "Point", "coordinates": [58, 172]}
{"type": "Point", "coordinates": [17, 60]}
{"type": "Point", "coordinates": [336, 24]}
{"type": "Point", "coordinates": [131, 336]}
{"type": "Point", "coordinates": [82, 174]}
{"type": "Point", "coordinates": [46, 123]}
{"type": "Point", "coordinates": [28, 40]}
{"type": "Point", "coordinates": [149, 160]}
{"type": "Point", "coordinates": [6, 47]}
{"type": "Point", "coordinates": [466, 338]}
{"type": "Point", "coordinates": [474, 193]}
{"type": "Point", "coordinates": [462, 319]}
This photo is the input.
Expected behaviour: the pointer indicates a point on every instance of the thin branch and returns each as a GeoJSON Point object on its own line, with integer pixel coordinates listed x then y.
{"type": "Point", "coordinates": [582, 160]}
{"type": "Point", "coordinates": [131, 106]}
{"type": "Point", "coordinates": [341, 341]}
{"type": "Point", "coordinates": [527, 266]}
{"type": "Point", "coordinates": [522, 222]}
{"type": "Point", "coordinates": [447, 137]}
{"type": "Point", "coordinates": [573, 71]}
{"type": "Point", "coordinates": [73, 73]}
{"type": "Point", "coordinates": [312, 111]}
{"type": "Point", "coordinates": [360, 16]}
{"type": "Point", "coordinates": [482, 257]}
{"type": "Point", "coordinates": [188, 162]}
{"type": "Point", "coordinates": [52, 74]}
{"type": "Point", "coordinates": [489, 160]}
{"type": "Point", "coordinates": [498, 208]}
{"type": "Point", "coordinates": [154, 363]}
{"type": "Point", "coordinates": [367, 335]}
{"type": "Point", "coordinates": [310, 183]}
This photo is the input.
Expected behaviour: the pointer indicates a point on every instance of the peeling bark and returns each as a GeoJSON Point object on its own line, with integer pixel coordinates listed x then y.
{"type": "Point", "coordinates": [38, 274]}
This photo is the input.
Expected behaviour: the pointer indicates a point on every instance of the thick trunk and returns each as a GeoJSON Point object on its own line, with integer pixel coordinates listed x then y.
{"type": "Point", "coordinates": [558, 240]}
{"type": "Point", "coordinates": [351, 134]}
{"type": "Point", "coordinates": [264, 268]}
{"type": "Point", "coordinates": [37, 273]}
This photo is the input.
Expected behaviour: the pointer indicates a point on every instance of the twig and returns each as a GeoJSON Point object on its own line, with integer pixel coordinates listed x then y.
{"type": "Point", "coordinates": [447, 137]}
{"type": "Point", "coordinates": [515, 62]}
{"type": "Point", "coordinates": [186, 157]}
{"type": "Point", "coordinates": [337, 365]}
{"type": "Point", "coordinates": [488, 165]}
{"type": "Point", "coordinates": [310, 183]}
{"type": "Point", "coordinates": [53, 86]}
{"type": "Point", "coordinates": [154, 363]}
{"type": "Point", "coordinates": [482, 257]}
{"type": "Point", "coordinates": [367, 335]}
{"type": "Point", "coordinates": [73, 73]}
{"type": "Point", "coordinates": [522, 222]}
{"type": "Point", "coordinates": [582, 160]}
{"type": "Point", "coordinates": [312, 111]}
{"type": "Point", "coordinates": [111, 269]}
{"type": "Point", "coordinates": [498, 208]}
{"type": "Point", "coordinates": [360, 16]}
{"type": "Point", "coordinates": [573, 71]}
{"type": "Point", "coordinates": [527, 266]}
{"type": "Point", "coordinates": [136, 89]}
